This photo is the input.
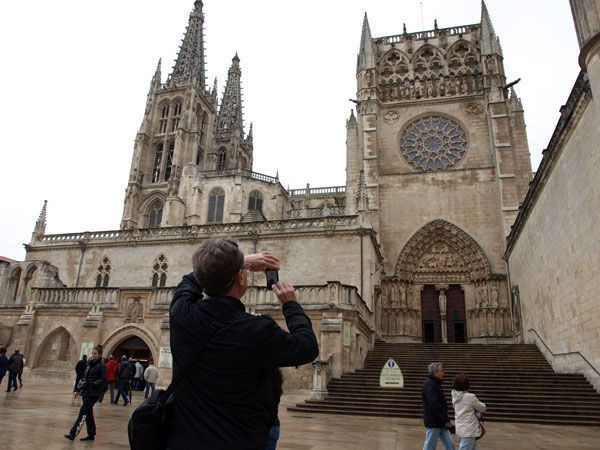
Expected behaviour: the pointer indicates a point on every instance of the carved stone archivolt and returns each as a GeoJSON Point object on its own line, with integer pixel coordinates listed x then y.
{"type": "Point", "coordinates": [440, 252]}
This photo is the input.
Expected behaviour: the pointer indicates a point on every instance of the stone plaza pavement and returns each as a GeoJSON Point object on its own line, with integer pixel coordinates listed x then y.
{"type": "Point", "coordinates": [37, 416]}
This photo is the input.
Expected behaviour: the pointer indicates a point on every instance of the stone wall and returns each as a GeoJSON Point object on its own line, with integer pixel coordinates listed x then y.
{"type": "Point", "coordinates": [554, 252]}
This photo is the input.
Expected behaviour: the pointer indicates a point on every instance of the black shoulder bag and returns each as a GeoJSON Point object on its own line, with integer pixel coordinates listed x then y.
{"type": "Point", "coordinates": [149, 424]}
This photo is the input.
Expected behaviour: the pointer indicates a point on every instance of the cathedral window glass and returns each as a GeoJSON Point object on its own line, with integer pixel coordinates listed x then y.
{"type": "Point", "coordinates": [433, 143]}
{"type": "Point", "coordinates": [157, 163]}
{"type": "Point", "coordinates": [169, 166]}
{"type": "Point", "coordinates": [103, 274]}
{"type": "Point", "coordinates": [159, 271]}
{"type": "Point", "coordinates": [222, 160]}
{"type": "Point", "coordinates": [164, 117]}
{"type": "Point", "coordinates": [216, 201]}
{"type": "Point", "coordinates": [255, 201]}
{"type": "Point", "coordinates": [176, 116]}
{"type": "Point", "coordinates": [155, 214]}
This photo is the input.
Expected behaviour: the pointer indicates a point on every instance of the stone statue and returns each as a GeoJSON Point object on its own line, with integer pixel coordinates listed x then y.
{"type": "Point", "coordinates": [135, 311]}
{"type": "Point", "coordinates": [494, 297]}
{"type": "Point", "coordinates": [369, 78]}
{"type": "Point", "coordinates": [442, 301]}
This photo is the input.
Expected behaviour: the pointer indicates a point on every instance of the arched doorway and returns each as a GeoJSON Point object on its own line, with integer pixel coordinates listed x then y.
{"type": "Point", "coordinates": [456, 316]}
{"type": "Point", "coordinates": [430, 313]}
{"type": "Point", "coordinates": [133, 347]}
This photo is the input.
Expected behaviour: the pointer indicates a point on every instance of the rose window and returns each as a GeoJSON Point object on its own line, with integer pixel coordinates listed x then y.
{"type": "Point", "coordinates": [433, 143]}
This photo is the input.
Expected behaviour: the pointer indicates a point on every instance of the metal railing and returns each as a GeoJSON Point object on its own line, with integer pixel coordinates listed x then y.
{"type": "Point", "coordinates": [563, 353]}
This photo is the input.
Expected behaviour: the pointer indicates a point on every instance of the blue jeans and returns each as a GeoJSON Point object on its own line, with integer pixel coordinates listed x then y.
{"type": "Point", "coordinates": [433, 434]}
{"type": "Point", "coordinates": [468, 443]}
{"type": "Point", "coordinates": [123, 387]}
{"type": "Point", "coordinates": [12, 380]}
{"type": "Point", "coordinates": [273, 437]}
{"type": "Point", "coordinates": [148, 387]}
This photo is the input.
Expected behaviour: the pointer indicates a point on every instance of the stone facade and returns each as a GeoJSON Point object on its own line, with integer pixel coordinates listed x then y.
{"type": "Point", "coordinates": [553, 251]}
{"type": "Point", "coordinates": [410, 249]}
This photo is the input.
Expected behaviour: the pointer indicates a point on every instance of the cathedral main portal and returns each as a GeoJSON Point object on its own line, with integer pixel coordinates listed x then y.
{"type": "Point", "coordinates": [443, 291]}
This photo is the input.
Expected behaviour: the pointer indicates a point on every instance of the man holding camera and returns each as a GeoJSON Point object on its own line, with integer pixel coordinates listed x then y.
{"type": "Point", "coordinates": [226, 356]}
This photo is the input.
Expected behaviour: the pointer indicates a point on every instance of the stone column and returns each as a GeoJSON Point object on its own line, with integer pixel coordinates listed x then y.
{"type": "Point", "coordinates": [442, 302]}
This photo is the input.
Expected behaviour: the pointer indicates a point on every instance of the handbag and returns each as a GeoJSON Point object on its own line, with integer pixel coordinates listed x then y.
{"type": "Point", "coordinates": [481, 427]}
{"type": "Point", "coordinates": [148, 426]}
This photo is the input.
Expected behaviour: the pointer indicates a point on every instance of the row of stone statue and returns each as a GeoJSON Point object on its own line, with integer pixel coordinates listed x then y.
{"type": "Point", "coordinates": [430, 87]}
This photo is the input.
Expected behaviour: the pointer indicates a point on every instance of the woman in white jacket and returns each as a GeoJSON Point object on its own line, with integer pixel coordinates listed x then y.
{"type": "Point", "coordinates": [466, 405]}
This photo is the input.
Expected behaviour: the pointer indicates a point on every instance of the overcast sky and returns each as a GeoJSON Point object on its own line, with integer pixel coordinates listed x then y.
{"type": "Point", "coordinates": [75, 75]}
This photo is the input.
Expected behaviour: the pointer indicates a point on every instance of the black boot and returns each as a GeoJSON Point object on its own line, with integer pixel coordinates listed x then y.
{"type": "Point", "coordinates": [88, 438]}
{"type": "Point", "coordinates": [70, 437]}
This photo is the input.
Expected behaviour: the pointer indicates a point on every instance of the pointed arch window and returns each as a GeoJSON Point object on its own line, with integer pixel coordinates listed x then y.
{"type": "Point", "coordinates": [222, 160]}
{"type": "Point", "coordinates": [155, 214]}
{"type": "Point", "coordinates": [169, 166]}
{"type": "Point", "coordinates": [164, 117]}
{"type": "Point", "coordinates": [159, 271]}
{"type": "Point", "coordinates": [157, 163]}
{"type": "Point", "coordinates": [103, 275]}
{"type": "Point", "coordinates": [216, 201]}
{"type": "Point", "coordinates": [255, 201]}
{"type": "Point", "coordinates": [200, 158]}
{"type": "Point", "coordinates": [176, 116]}
{"type": "Point", "coordinates": [15, 279]}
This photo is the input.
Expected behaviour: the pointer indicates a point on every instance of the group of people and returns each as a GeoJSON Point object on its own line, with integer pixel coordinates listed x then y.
{"type": "Point", "coordinates": [467, 411]}
{"type": "Point", "coordinates": [14, 366]}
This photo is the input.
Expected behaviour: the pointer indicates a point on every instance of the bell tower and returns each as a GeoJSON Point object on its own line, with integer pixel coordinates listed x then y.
{"type": "Point", "coordinates": [175, 135]}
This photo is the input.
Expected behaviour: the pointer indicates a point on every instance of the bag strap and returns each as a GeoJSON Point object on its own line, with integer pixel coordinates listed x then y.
{"type": "Point", "coordinates": [214, 327]}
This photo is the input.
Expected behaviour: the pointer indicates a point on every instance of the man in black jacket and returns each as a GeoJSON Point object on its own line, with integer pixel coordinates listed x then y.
{"type": "Point", "coordinates": [225, 399]}
{"type": "Point", "coordinates": [15, 367]}
{"type": "Point", "coordinates": [94, 381]}
{"type": "Point", "coordinates": [435, 410]}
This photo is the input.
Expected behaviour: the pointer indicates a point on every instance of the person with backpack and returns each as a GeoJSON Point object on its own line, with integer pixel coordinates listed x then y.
{"type": "Point", "coordinates": [124, 375]}
{"type": "Point", "coordinates": [15, 367]}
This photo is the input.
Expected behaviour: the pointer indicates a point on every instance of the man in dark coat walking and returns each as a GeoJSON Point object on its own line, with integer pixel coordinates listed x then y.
{"type": "Point", "coordinates": [15, 367]}
{"type": "Point", "coordinates": [3, 363]}
{"type": "Point", "coordinates": [435, 410]}
{"type": "Point", "coordinates": [93, 381]}
{"type": "Point", "coordinates": [226, 397]}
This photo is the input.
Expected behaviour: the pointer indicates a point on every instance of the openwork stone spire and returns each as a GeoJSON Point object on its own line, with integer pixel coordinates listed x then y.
{"type": "Point", "coordinates": [40, 224]}
{"type": "Point", "coordinates": [229, 120]}
{"type": "Point", "coordinates": [190, 61]}
{"type": "Point", "coordinates": [490, 44]}
{"type": "Point", "coordinates": [366, 55]}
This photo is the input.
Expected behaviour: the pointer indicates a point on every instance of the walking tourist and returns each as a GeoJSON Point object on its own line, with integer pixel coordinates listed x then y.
{"type": "Point", "coordinates": [3, 363]}
{"type": "Point", "coordinates": [20, 374]}
{"type": "Point", "coordinates": [124, 374]}
{"type": "Point", "coordinates": [150, 375]}
{"type": "Point", "coordinates": [139, 375]}
{"type": "Point", "coordinates": [466, 409]}
{"type": "Point", "coordinates": [225, 356]}
{"type": "Point", "coordinates": [93, 383]}
{"type": "Point", "coordinates": [111, 377]}
{"type": "Point", "coordinates": [435, 410]}
{"type": "Point", "coordinates": [15, 367]}
{"type": "Point", "coordinates": [79, 371]}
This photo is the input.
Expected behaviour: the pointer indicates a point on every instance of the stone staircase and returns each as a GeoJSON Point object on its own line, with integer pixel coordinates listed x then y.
{"type": "Point", "coordinates": [515, 381]}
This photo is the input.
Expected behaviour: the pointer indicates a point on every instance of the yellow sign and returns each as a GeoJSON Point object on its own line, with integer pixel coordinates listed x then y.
{"type": "Point", "coordinates": [391, 375]}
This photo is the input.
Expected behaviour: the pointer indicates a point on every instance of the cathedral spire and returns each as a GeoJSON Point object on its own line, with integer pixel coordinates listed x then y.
{"type": "Point", "coordinates": [156, 79]}
{"type": "Point", "coordinates": [366, 55]}
{"type": "Point", "coordinates": [40, 224]}
{"type": "Point", "coordinates": [490, 44]}
{"type": "Point", "coordinates": [230, 114]}
{"type": "Point", "coordinates": [190, 60]}
{"type": "Point", "coordinates": [213, 93]}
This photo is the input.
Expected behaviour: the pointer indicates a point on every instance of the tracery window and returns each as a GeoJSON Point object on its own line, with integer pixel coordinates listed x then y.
{"type": "Point", "coordinates": [157, 163]}
{"type": "Point", "coordinates": [164, 117]}
{"type": "Point", "coordinates": [216, 201]}
{"type": "Point", "coordinates": [255, 201]}
{"type": "Point", "coordinates": [159, 269]}
{"type": "Point", "coordinates": [463, 69]}
{"type": "Point", "coordinates": [176, 116]}
{"type": "Point", "coordinates": [155, 214]}
{"type": "Point", "coordinates": [394, 76]}
{"type": "Point", "coordinates": [222, 160]}
{"type": "Point", "coordinates": [103, 274]}
{"type": "Point", "coordinates": [433, 143]}
{"type": "Point", "coordinates": [169, 166]}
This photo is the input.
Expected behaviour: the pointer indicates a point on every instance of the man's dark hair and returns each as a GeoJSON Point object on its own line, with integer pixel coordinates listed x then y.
{"type": "Point", "coordinates": [216, 263]}
{"type": "Point", "coordinates": [99, 349]}
{"type": "Point", "coordinates": [461, 382]}
{"type": "Point", "coordinates": [2, 350]}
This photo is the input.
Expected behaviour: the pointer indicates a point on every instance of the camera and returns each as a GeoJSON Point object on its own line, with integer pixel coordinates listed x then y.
{"type": "Point", "coordinates": [272, 278]}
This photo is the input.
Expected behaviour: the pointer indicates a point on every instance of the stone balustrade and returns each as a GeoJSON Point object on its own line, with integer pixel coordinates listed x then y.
{"type": "Point", "coordinates": [196, 231]}
{"type": "Point", "coordinates": [428, 34]}
{"type": "Point", "coordinates": [74, 297]}
{"type": "Point", "coordinates": [316, 212]}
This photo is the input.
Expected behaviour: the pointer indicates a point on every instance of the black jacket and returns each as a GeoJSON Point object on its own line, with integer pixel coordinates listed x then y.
{"type": "Point", "coordinates": [15, 363]}
{"type": "Point", "coordinates": [94, 378]}
{"type": "Point", "coordinates": [80, 367]}
{"type": "Point", "coordinates": [124, 371]}
{"type": "Point", "coordinates": [435, 408]}
{"type": "Point", "coordinates": [226, 401]}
